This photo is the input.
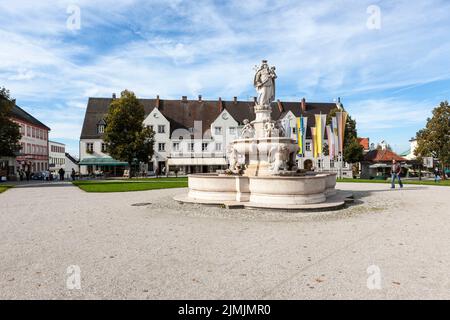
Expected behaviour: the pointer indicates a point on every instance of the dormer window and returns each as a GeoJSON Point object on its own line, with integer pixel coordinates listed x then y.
{"type": "Point", "coordinates": [101, 126]}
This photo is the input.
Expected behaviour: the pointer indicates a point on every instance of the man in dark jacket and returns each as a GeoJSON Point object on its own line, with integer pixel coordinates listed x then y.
{"type": "Point", "coordinates": [395, 173]}
{"type": "Point", "coordinates": [61, 174]}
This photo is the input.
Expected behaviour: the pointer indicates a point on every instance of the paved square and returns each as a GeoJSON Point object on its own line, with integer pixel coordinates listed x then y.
{"type": "Point", "coordinates": [175, 251]}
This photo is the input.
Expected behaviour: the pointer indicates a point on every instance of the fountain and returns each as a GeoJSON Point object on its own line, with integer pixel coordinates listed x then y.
{"type": "Point", "coordinates": [269, 177]}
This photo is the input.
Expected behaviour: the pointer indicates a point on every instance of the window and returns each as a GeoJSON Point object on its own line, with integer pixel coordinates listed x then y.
{"type": "Point", "coordinates": [103, 147]}
{"type": "Point", "coordinates": [150, 127]}
{"type": "Point", "coordinates": [161, 128]}
{"type": "Point", "coordinates": [33, 132]}
{"type": "Point", "coordinates": [191, 147]}
{"type": "Point", "coordinates": [218, 147]}
{"type": "Point", "coordinates": [319, 163]}
{"type": "Point", "coordinates": [28, 148]}
{"type": "Point", "coordinates": [161, 147]}
{"type": "Point", "coordinates": [28, 131]}
{"type": "Point", "coordinates": [217, 130]}
{"type": "Point", "coordinates": [294, 130]}
{"type": "Point", "coordinates": [331, 163]}
{"type": "Point", "coordinates": [100, 128]}
{"type": "Point", "coordinates": [89, 147]}
{"type": "Point", "coordinates": [204, 146]}
{"type": "Point", "coordinates": [308, 146]}
{"type": "Point", "coordinates": [232, 130]}
{"type": "Point", "coordinates": [176, 146]}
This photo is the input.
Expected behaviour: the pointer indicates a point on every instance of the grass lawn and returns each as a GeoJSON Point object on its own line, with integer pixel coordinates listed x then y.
{"type": "Point", "coordinates": [422, 182]}
{"type": "Point", "coordinates": [4, 188]}
{"type": "Point", "coordinates": [131, 184]}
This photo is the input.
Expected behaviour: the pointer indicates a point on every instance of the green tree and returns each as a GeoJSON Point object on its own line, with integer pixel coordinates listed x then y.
{"type": "Point", "coordinates": [126, 137]}
{"type": "Point", "coordinates": [353, 151]}
{"type": "Point", "coordinates": [434, 139]}
{"type": "Point", "coordinates": [9, 130]}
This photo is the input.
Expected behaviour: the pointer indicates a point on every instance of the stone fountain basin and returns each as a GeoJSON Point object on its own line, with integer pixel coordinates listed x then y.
{"type": "Point", "coordinates": [291, 190]}
{"type": "Point", "coordinates": [288, 190]}
{"type": "Point", "coordinates": [212, 187]}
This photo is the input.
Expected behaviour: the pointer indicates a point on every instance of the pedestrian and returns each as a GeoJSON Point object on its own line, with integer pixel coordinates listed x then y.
{"type": "Point", "coordinates": [395, 173]}
{"type": "Point", "coordinates": [72, 174]}
{"type": "Point", "coordinates": [157, 172]}
{"type": "Point", "coordinates": [28, 174]}
{"type": "Point", "coordinates": [61, 174]}
{"type": "Point", "coordinates": [437, 176]}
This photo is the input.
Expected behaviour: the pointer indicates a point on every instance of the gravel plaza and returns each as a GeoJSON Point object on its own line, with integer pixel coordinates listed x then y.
{"type": "Point", "coordinates": [144, 245]}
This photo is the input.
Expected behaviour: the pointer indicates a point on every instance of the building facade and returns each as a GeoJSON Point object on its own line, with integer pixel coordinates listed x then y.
{"type": "Point", "coordinates": [192, 136]}
{"type": "Point", "coordinates": [33, 156]}
{"type": "Point", "coordinates": [57, 156]}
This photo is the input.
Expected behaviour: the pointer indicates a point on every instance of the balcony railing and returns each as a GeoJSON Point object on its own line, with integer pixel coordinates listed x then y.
{"type": "Point", "coordinates": [197, 155]}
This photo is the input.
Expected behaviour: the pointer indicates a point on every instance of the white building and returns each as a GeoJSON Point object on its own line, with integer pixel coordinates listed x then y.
{"type": "Point", "coordinates": [409, 154]}
{"type": "Point", "coordinates": [192, 135]}
{"type": "Point", "coordinates": [71, 163]}
{"type": "Point", "coordinates": [57, 156]}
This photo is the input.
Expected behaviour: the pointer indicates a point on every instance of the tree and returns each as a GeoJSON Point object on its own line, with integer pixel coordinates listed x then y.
{"type": "Point", "coordinates": [353, 151]}
{"type": "Point", "coordinates": [9, 130]}
{"type": "Point", "coordinates": [434, 139]}
{"type": "Point", "coordinates": [126, 137]}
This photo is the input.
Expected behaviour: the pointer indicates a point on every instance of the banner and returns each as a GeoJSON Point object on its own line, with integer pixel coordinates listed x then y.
{"type": "Point", "coordinates": [319, 137]}
{"type": "Point", "coordinates": [321, 120]}
{"type": "Point", "coordinates": [341, 121]}
{"type": "Point", "coordinates": [330, 137]}
{"type": "Point", "coordinates": [301, 134]}
{"type": "Point", "coordinates": [314, 141]}
{"type": "Point", "coordinates": [334, 128]}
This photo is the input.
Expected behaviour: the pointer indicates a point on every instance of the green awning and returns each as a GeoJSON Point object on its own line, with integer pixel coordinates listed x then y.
{"type": "Point", "coordinates": [101, 161]}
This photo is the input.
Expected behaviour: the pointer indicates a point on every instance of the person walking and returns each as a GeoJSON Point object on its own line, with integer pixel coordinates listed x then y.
{"type": "Point", "coordinates": [437, 177]}
{"type": "Point", "coordinates": [395, 173]}
{"type": "Point", "coordinates": [72, 174]}
{"type": "Point", "coordinates": [61, 174]}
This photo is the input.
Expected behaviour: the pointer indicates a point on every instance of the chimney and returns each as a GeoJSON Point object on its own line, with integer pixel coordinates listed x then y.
{"type": "Point", "coordinates": [303, 104]}
{"type": "Point", "coordinates": [220, 104]}
{"type": "Point", "coordinates": [199, 98]}
{"type": "Point", "coordinates": [184, 98]}
{"type": "Point", "coordinates": [114, 95]}
{"type": "Point", "coordinates": [280, 106]}
{"type": "Point", "coordinates": [157, 102]}
{"type": "Point", "coordinates": [234, 99]}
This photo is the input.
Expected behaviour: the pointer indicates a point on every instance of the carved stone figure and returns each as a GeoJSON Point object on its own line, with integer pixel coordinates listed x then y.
{"type": "Point", "coordinates": [279, 159]}
{"type": "Point", "coordinates": [248, 131]}
{"type": "Point", "coordinates": [233, 158]}
{"type": "Point", "coordinates": [270, 129]}
{"type": "Point", "coordinates": [264, 83]}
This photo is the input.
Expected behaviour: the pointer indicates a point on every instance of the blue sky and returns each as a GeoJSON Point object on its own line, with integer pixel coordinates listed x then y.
{"type": "Point", "coordinates": [389, 78]}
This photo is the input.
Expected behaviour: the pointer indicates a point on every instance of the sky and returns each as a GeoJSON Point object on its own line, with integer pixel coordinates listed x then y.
{"type": "Point", "coordinates": [388, 61]}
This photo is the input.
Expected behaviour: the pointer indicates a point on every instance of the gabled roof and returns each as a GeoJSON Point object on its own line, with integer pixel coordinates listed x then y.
{"type": "Point", "coordinates": [20, 114]}
{"type": "Point", "coordinates": [380, 155]}
{"type": "Point", "coordinates": [183, 113]}
{"type": "Point", "coordinates": [71, 158]}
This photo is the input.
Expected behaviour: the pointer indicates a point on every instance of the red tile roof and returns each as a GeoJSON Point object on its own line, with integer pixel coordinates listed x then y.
{"type": "Point", "coordinates": [364, 142]}
{"type": "Point", "coordinates": [379, 155]}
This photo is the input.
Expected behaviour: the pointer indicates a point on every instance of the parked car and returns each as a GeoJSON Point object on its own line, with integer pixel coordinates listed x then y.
{"type": "Point", "coordinates": [38, 176]}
